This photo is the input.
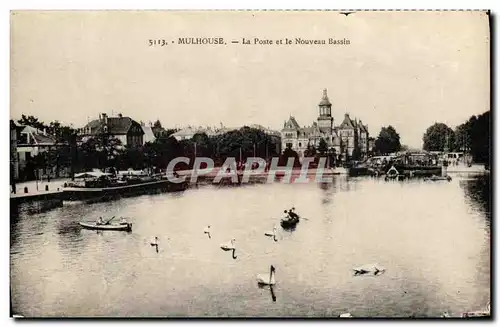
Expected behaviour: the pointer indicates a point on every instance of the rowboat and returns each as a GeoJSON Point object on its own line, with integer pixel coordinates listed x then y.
{"type": "Point", "coordinates": [118, 227]}
{"type": "Point", "coordinates": [289, 222]}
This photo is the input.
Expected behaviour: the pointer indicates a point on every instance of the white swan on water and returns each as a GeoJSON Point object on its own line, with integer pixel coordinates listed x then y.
{"type": "Point", "coordinates": [369, 269]}
{"type": "Point", "coordinates": [228, 246]}
{"type": "Point", "coordinates": [273, 233]}
{"type": "Point", "coordinates": [267, 279]}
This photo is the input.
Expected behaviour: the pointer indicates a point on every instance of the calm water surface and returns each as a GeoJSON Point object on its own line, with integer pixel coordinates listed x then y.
{"type": "Point", "coordinates": [432, 238]}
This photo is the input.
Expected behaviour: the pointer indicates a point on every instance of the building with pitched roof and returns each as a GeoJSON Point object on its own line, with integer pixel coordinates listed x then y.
{"type": "Point", "coordinates": [127, 130]}
{"type": "Point", "coordinates": [343, 140]}
{"type": "Point", "coordinates": [31, 142]}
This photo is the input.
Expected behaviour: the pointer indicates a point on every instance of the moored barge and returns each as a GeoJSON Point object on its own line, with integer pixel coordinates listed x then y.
{"type": "Point", "coordinates": [103, 188]}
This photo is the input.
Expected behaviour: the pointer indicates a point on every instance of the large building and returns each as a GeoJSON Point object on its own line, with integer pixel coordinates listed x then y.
{"type": "Point", "coordinates": [348, 138]}
{"type": "Point", "coordinates": [127, 130]}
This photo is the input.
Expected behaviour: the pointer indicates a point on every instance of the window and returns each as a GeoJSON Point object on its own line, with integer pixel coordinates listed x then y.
{"type": "Point", "coordinates": [300, 144]}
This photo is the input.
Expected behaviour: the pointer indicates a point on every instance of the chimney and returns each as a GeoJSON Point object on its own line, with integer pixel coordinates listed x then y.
{"type": "Point", "coordinates": [120, 115]}
{"type": "Point", "coordinates": [105, 118]}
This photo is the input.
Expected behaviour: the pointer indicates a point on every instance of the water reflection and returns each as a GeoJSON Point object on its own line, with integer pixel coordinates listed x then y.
{"type": "Point", "coordinates": [434, 245]}
{"type": "Point", "coordinates": [478, 190]}
{"type": "Point", "coordinates": [271, 290]}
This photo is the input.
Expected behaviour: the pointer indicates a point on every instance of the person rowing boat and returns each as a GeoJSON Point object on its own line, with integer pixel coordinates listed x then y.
{"type": "Point", "coordinates": [292, 214]}
{"type": "Point", "coordinates": [101, 222]}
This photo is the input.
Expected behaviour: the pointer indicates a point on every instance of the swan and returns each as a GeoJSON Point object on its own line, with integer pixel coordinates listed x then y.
{"type": "Point", "coordinates": [267, 280]}
{"type": "Point", "coordinates": [228, 246]}
{"type": "Point", "coordinates": [273, 233]}
{"type": "Point", "coordinates": [207, 231]}
{"type": "Point", "coordinates": [155, 242]}
{"type": "Point", "coordinates": [368, 269]}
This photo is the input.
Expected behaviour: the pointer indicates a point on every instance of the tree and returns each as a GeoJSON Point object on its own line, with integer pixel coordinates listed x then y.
{"type": "Point", "coordinates": [131, 157]}
{"type": "Point", "coordinates": [289, 153]}
{"type": "Point", "coordinates": [203, 145]}
{"type": "Point", "coordinates": [356, 153]}
{"type": "Point", "coordinates": [387, 141]}
{"type": "Point", "coordinates": [101, 151]}
{"type": "Point", "coordinates": [439, 137]}
{"type": "Point", "coordinates": [322, 147]}
{"type": "Point", "coordinates": [310, 151]}
{"type": "Point", "coordinates": [31, 121]}
{"type": "Point", "coordinates": [248, 140]}
{"type": "Point", "coordinates": [61, 153]}
{"type": "Point", "coordinates": [163, 150]}
{"type": "Point", "coordinates": [474, 136]}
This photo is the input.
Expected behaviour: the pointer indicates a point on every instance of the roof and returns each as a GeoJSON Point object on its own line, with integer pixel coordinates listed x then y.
{"type": "Point", "coordinates": [265, 129]}
{"type": "Point", "coordinates": [188, 131]}
{"type": "Point", "coordinates": [37, 137]}
{"type": "Point", "coordinates": [347, 122]}
{"type": "Point", "coordinates": [116, 125]}
{"type": "Point", "coordinates": [149, 135]}
{"type": "Point", "coordinates": [325, 101]}
{"type": "Point", "coordinates": [91, 174]}
{"type": "Point", "coordinates": [364, 128]}
{"type": "Point", "coordinates": [291, 123]}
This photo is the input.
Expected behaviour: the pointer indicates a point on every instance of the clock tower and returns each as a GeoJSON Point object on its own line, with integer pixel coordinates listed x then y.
{"type": "Point", "coordinates": [325, 119]}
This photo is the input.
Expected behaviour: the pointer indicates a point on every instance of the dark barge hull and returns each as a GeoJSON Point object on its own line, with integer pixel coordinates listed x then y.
{"type": "Point", "coordinates": [110, 193]}
{"type": "Point", "coordinates": [361, 171]}
{"type": "Point", "coordinates": [418, 171]}
{"type": "Point", "coordinates": [289, 223]}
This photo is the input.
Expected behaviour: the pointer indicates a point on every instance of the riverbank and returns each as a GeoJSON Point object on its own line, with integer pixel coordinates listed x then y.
{"type": "Point", "coordinates": [475, 168]}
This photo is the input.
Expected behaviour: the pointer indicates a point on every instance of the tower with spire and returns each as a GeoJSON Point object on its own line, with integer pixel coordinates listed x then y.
{"type": "Point", "coordinates": [325, 119]}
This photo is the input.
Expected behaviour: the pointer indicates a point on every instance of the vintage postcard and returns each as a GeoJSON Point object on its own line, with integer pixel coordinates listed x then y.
{"type": "Point", "coordinates": [228, 164]}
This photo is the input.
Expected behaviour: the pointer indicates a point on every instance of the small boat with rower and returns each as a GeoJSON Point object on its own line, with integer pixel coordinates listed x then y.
{"type": "Point", "coordinates": [291, 220]}
{"type": "Point", "coordinates": [122, 226]}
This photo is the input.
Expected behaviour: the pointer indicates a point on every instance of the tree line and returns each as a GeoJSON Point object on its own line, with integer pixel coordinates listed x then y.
{"type": "Point", "coordinates": [104, 151]}
{"type": "Point", "coordinates": [472, 136]}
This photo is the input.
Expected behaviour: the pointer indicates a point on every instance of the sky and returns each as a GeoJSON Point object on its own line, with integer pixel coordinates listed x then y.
{"type": "Point", "coordinates": [405, 69]}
